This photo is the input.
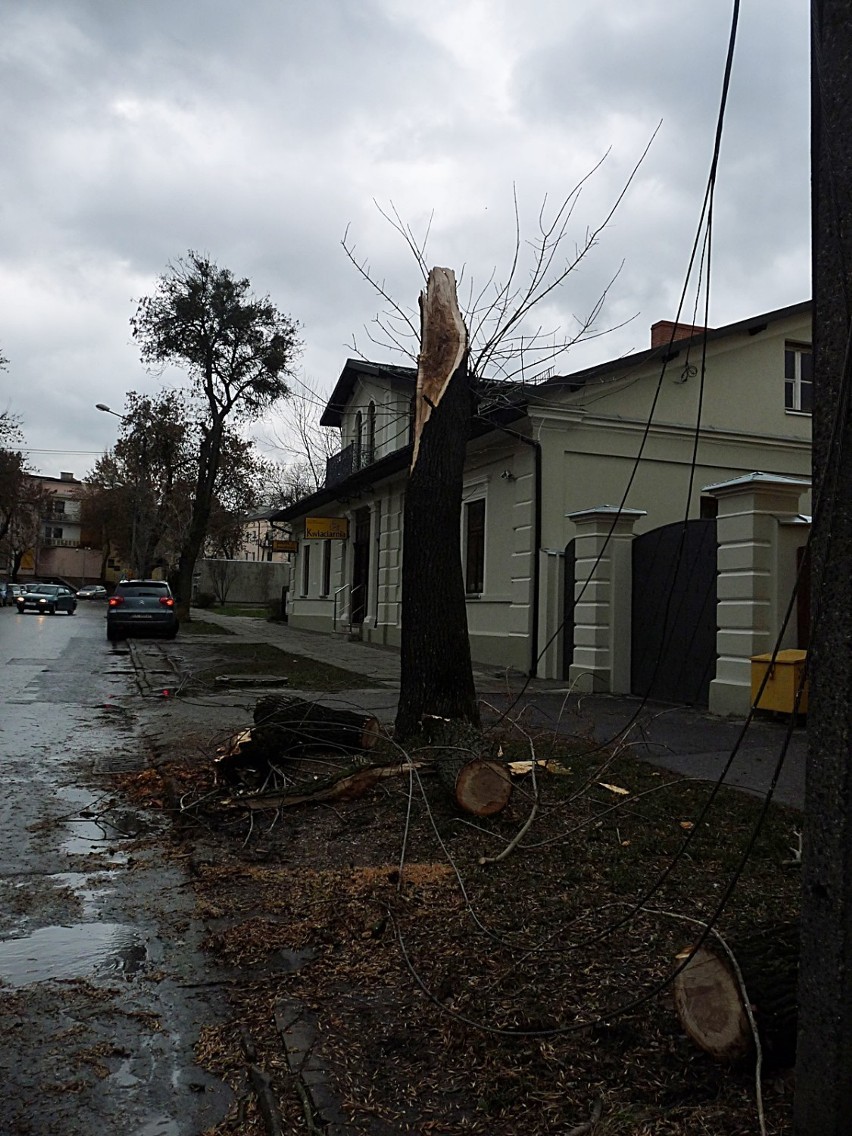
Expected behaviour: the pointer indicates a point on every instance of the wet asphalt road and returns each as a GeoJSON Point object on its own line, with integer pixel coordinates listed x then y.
{"type": "Point", "coordinates": [104, 987]}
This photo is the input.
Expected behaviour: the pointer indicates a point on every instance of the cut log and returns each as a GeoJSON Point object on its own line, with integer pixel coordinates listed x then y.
{"type": "Point", "coordinates": [284, 725]}
{"type": "Point", "coordinates": [709, 1002]}
{"type": "Point", "coordinates": [478, 784]}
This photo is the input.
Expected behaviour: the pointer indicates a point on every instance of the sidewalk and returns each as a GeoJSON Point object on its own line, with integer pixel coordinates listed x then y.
{"type": "Point", "coordinates": [686, 740]}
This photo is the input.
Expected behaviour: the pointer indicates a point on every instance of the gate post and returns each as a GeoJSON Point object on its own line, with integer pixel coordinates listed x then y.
{"type": "Point", "coordinates": [603, 585]}
{"type": "Point", "coordinates": [751, 594]}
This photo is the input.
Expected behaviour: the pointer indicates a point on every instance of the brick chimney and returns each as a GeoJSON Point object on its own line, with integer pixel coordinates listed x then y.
{"type": "Point", "coordinates": [664, 331]}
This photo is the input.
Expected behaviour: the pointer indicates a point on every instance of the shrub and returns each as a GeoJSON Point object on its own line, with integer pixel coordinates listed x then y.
{"type": "Point", "coordinates": [277, 611]}
{"type": "Point", "coordinates": [205, 599]}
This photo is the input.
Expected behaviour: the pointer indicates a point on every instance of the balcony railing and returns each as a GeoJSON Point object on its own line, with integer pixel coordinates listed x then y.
{"type": "Point", "coordinates": [59, 542]}
{"type": "Point", "coordinates": [350, 460]}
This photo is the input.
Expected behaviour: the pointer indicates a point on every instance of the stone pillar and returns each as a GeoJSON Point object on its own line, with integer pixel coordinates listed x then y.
{"type": "Point", "coordinates": [750, 601]}
{"type": "Point", "coordinates": [603, 584]}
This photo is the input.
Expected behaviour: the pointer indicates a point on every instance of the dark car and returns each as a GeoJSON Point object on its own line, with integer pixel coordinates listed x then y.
{"type": "Point", "coordinates": [49, 598]}
{"type": "Point", "coordinates": [141, 607]}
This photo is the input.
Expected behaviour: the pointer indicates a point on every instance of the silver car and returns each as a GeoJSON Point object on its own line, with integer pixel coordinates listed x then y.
{"type": "Point", "coordinates": [92, 592]}
{"type": "Point", "coordinates": [141, 607]}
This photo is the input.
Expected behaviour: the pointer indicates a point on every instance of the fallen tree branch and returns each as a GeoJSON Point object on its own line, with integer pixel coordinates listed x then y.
{"type": "Point", "coordinates": [346, 788]}
{"type": "Point", "coordinates": [519, 835]}
{"type": "Point", "coordinates": [590, 1124]}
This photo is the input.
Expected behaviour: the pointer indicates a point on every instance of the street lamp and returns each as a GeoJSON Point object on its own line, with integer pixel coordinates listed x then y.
{"type": "Point", "coordinates": [102, 406]}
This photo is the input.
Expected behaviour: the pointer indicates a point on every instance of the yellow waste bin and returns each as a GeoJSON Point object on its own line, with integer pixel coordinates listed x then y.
{"type": "Point", "coordinates": [785, 677]}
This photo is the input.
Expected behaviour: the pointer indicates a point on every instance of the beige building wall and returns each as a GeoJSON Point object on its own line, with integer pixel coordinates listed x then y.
{"type": "Point", "coordinates": [595, 442]}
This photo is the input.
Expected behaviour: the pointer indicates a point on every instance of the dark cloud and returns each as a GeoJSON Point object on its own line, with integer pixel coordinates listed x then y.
{"type": "Point", "coordinates": [259, 132]}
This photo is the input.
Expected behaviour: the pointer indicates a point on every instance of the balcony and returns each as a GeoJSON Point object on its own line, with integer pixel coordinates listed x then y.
{"type": "Point", "coordinates": [350, 460]}
{"type": "Point", "coordinates": [59, 542]}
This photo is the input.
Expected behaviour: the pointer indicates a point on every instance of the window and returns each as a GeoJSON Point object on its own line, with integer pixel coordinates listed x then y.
{"type": "Point", "coordinates": [52, 533]}
{"type": "Point", "coordinates": [306, 568]}
{"type": "Point", "coordinates": [326, 567]}
{"type": "Point", "coordinates": [798, 378]}
{"type": "Point", "coordinates": [370, 454]}
{"type": "Point", "coordinates": [474, 572]}
{"type": "Point", "coordinates": [359, 430]}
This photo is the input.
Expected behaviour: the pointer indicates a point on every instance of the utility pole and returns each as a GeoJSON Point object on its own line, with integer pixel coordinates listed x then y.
{"type": "Point", "coordinates": [823, 1101]}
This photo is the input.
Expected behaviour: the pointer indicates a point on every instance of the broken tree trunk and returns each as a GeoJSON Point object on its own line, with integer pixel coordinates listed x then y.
{"type": "Point", "coordinates": [436, 676]}
{"type": "Point", "coordinates": [284, 726]}
{"type": "Point", "coordinates": [709, 1001]}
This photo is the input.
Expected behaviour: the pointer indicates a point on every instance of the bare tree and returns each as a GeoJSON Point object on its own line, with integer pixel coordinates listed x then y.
{"type": "Point", "coordinates": [306, 446]}
{"type": "Point", "coordinates": [467, 359]}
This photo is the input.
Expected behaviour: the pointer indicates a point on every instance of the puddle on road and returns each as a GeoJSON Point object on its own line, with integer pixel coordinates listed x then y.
{"type": "Point", "coordinates": [79, 951]}
{"type": "Point", "coordinates": [87, 889]}
{"type": "Point", "coordinates": [162, 1127]}
{"type": "Point", "coordinates": [97, 827]}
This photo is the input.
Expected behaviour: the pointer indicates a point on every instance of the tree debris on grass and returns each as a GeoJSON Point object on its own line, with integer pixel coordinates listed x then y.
{"type": "Point", "coordinates": [532, 994]}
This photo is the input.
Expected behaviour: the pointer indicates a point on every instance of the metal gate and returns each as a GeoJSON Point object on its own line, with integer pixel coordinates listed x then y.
{"type": "Point", "coordinates": [674, 612]}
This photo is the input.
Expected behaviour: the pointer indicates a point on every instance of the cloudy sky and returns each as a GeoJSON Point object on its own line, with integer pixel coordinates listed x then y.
{"type": "Point", "coordinates": [257, 132]}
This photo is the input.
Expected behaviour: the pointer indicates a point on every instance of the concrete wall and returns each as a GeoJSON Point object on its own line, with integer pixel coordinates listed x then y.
{"type": "Point", "coordinates": [498, 471]}
{"type": "Point", "coordinates": [249, 582]}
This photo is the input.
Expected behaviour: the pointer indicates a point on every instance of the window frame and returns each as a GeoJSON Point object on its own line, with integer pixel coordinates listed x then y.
{"type": "Point", "coordinates": [795, 384]}
{"type": "Point", "coordinates": [306, 568]}
{"type": "Point", "coordinates": [325, 586]}
{"type": "Point", "coordinates": [370, 451]}
{"type": "Point", "coordinates": [358, 439]}
{"type": "Point", "coordinates": [474, 546]}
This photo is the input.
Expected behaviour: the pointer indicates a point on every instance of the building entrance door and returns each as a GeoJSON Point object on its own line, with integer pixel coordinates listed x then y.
{"type": "Point", "coordinates": [360, 565]}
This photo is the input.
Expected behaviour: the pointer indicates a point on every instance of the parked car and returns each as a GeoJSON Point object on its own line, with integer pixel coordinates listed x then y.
{"type": "Point", "coordinates": [141, 607]}
{"type": "Point", "coordinates": [49, 598]}
{"type": "Point", "coordinates": [92, 592]}
{"type": "Point", "coordinates": [9, 593]}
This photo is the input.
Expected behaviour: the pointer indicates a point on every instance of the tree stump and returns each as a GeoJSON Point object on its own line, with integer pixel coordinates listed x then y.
{"type": "Point", "coordinates": [709, 1002]}
{"type": "Point", "coordinates": [291, 726]}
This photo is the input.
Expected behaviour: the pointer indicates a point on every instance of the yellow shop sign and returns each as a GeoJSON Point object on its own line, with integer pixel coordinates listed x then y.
{"type": "Point", "coordinates": [326, 528]}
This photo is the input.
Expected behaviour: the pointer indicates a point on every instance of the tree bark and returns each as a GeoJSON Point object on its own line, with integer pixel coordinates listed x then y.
{"type": "Point", "coordinates": [709, 1001]}
{"type": "Point", "coordinates": [291, 725]}
{"type": "Point", "coordinates": [436, 675]}
{"type": "Point", "coordinates": [208, 465]}
{"type": "Point", "coordinates": [823, 1102]}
